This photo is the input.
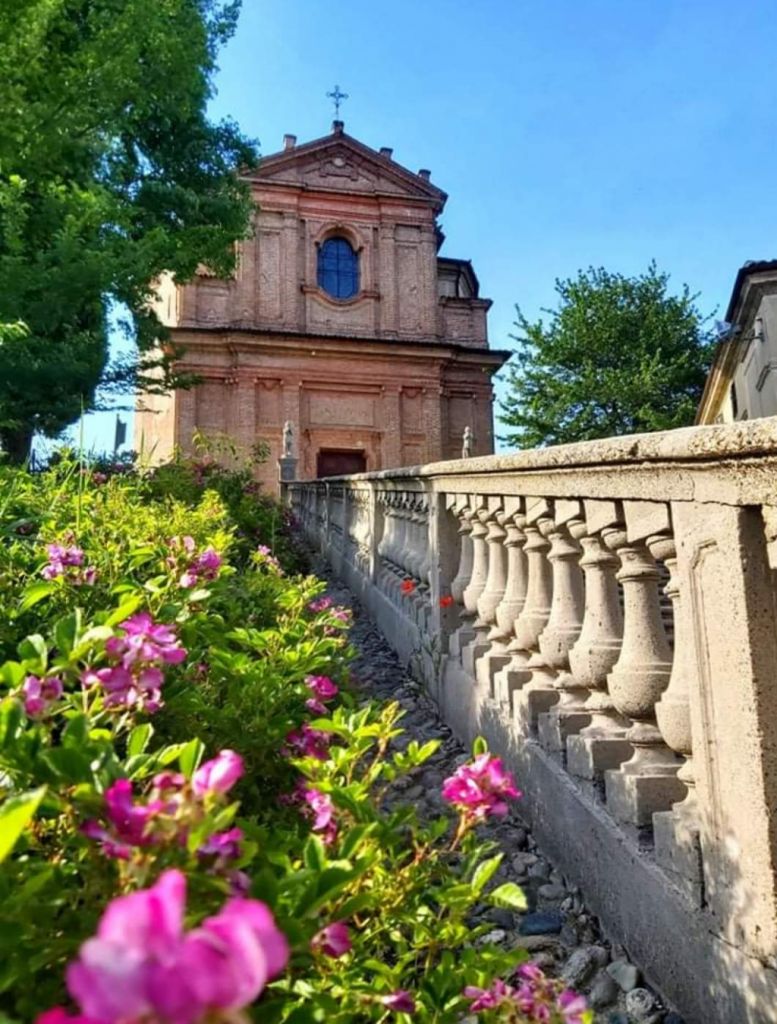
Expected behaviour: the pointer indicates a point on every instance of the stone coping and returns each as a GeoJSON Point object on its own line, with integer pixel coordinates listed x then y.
{"type": "Point", "coordinates": [744, 440]}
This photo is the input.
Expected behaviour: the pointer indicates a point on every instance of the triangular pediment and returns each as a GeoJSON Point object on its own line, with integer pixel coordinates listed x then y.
{"type": "Point", "coordinates": [341, 163]}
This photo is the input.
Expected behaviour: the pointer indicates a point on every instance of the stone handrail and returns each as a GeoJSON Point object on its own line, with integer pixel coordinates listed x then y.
{"type": "Point", "coordinates": [605, 614]}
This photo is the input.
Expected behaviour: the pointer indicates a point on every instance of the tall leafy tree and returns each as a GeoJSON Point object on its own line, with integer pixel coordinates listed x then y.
{"type": "Point", "coordinates": [110, 174]}
{"type": "Point", "coordinates": [619, 355]}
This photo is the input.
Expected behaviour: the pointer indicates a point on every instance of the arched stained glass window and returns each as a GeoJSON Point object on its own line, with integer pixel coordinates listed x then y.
{"type": "Point", "coordinates": [338, 268]}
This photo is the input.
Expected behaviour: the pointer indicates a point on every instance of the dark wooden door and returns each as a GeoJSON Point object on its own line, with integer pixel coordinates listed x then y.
{"type": "Point", "coordinates": [339, 462]}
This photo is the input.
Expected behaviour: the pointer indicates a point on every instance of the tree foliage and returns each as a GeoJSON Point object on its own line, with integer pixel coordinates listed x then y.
{"type": "Point", "coordinates": [110, 174]}
{"type": "Point", "coordinates": [620, 355]}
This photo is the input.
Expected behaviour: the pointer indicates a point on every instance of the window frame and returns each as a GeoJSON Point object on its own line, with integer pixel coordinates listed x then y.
{"type": "Point", "coordinates": [339, 269]}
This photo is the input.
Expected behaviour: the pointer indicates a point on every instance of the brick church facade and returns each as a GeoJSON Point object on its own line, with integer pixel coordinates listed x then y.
{"type": "Point", "coordinates": [341, 319]}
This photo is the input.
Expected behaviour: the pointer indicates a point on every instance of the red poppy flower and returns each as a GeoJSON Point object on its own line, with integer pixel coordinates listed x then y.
{"type": "Point", "coordinates": [446, 601]}
{"type": "Point", "coordinates": [407, 586]}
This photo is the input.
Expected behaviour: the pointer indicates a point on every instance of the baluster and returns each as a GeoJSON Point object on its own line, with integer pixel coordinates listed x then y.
{"type": "Point", "coordinates": [425, 563]}
{"type": "Point", "coordinates": [513, 599]}
{"type": "Point", "coordinates": [464, 571]}
{"type": "Point", "coordinates": [477, 580]}
{"type": "Point", "coordinates": [400, 543]}
{"type": "Point", "coordinates": [385, 542]}
{"type": "Point", "coordinates": [536, 609]}
{"type": "Point", "coordinates": [494, 587]}
{"type": "Point", "coordinates": [564, 626]}
{"type": "Point", "coordinates": [460, 581]}
{"type": "Point", "coordinates": [647, 782]}
{"type": "Point", "coordinates": [511, 605]}
{"type": "Point", "coordinates": [602, 744]}
{"type": "Point", "coordinates": [676, 832]}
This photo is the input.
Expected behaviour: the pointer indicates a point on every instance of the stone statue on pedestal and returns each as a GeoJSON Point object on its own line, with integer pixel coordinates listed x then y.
{"type": "Point", "coordinates": [466, 443]}
{"type": "Point", "coordinates": [288, 440]}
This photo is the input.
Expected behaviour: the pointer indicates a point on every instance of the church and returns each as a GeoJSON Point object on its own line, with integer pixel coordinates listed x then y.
{"type": "Point", "coordinates": [341, 320]}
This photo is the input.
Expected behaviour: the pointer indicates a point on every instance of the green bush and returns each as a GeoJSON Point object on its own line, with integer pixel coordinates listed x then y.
{"type": "Point", "coordinates": [174, 706]}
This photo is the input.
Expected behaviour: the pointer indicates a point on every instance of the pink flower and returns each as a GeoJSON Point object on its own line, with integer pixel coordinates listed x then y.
{"type": "Point", "coordinates": [130, 823]}
{"type": "Point", "coordinates": [147, 641]}
{"type": "Point", "coordinates": [334, 940]}
{"type": "Point", "coordinates": [136, 679]}
{"type": "Point", "coordinates": [489, 998]}
{"type": "Point", "coordinates": [208, 563]}
{"type": "Point", "coordinates": [308, 742]}
{"type": "Point", "coordinates": [264, 556]}
{"type": "Point", "coordinates": [322, 687]}
{"type": "Point", "coordinates": [66, 562]}
{"type": "Point", "coordinates": [323, 811]}
{"type": "Point", "coordinates": [572, 1006]}
{"type": "Point", "coordinates": [321, 604]}
{"type": "Point", "coordinates": [480, 788]}
{"type": "Point", "coordinates": [141, 964]}
{"type": "Point", "coordinates": [316, 706]}
{"type": "Point", "coordinates": [59, 1015]}
{"type": "Point", "coordinates": [205, 566]}
{"type": "Point", "coordinates": [399, 1001]}
{"type": "Point", "coordinates": [40, 693]}
{"type": "Point", "coordinates": [538, 998]}
{"type": "Point", "coordinates": [225, 845]}
{"type": "Point", "coordinates": [218, 775]}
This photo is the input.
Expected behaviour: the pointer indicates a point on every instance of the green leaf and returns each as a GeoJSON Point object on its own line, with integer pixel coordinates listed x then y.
{"type": "Point", "coordinates": [125, 609]}
{"type": "Point", "coordinates": [76, 732]}
{"type": "Point", "coordinates": [67, 632]}
{"type": "Point", "coordinates": [36, 592]}
{"type": "Point", "coordinates": [190, 757]}
{"type": "Point", "coordinates": [314, 853]}
{"type": "Point", "coordinates": [508, 895]}
{"type": "Point", "coordinates": [15, 814]}
{"type": "Point", "coordinates": [11, 718]}
{"type": "Point", "coordinates": [479, 746]}
{"type": "Point", "coordinates": [34, 648]}
{"type": "Point", "coordinates": [485, 872]}
{"type": "Point", "coordinates": [139, 739]}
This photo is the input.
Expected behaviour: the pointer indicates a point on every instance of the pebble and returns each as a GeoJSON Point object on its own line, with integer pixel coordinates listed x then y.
{"type": "Point", "coordinates": [540, 869]}
{"type": "Point", "coordinates": [547, 922]}
{"type": "Point", "coordinates": [642, 1006]}
{"type": "Point", "coordinates": [503, 918]}
{"type": "Point", "coordinates": [534, 942]}
{"type": "Point", "coordinates": [624, 974]}
{"type": "Point", "coordinates": [551, 895]}
{"type": "Point", "coordinates": [521, 862]}
{"type": "Point", "coordinates": [578, 968]}
{"type": "Point", "coordinates": [603, 992]}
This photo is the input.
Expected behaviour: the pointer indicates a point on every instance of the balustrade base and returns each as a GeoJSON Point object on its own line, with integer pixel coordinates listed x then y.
{"type": "Point", "coordinates": [532, 700]}
{"type": "Point", "coordinates": [678, 852]}
{"type": "Point", "coordinates": [509, 679]}
{"type": "Point", "coordinates": [633, 797]}
{"type": "Point", "coordinates": [475, 650]}
{"type": "Point", "coordinates": [487, 667]}
{"type": "Point", "coordinates": [557, 725]}
{"type": "Point", "coordinates": [589, 757]}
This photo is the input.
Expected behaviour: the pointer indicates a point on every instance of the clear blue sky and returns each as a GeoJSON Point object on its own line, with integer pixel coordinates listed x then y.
{"type": "Point", "coordinates": [565, 133]}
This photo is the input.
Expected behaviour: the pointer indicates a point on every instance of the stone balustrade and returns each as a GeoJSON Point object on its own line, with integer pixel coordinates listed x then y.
{"type": "Point", "coordinates": [605, 614]}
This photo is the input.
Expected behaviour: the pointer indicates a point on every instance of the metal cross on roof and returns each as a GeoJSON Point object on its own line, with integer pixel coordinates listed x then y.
{"type": "Point", "coordinates": [337, 98]}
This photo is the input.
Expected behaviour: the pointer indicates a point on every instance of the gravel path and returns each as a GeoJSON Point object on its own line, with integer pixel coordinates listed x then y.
{"type": "Point", "coordinates": [557, 931]}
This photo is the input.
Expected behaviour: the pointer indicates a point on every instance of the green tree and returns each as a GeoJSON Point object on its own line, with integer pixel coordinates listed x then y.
{"type": "Point", "coordinates": [110, 174]}
{"type": "Point", "coordinates": [619, 355]}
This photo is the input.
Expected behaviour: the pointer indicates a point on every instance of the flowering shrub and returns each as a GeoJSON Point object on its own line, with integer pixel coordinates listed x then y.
{"type": "Point", "coordinates": [177, 740]}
